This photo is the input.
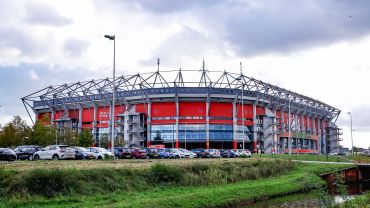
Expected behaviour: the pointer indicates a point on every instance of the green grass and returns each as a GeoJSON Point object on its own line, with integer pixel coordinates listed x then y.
{"type": "Point", "coordinates": [306, 157]}
{"type": "Point", "coordinates": [302, 178]}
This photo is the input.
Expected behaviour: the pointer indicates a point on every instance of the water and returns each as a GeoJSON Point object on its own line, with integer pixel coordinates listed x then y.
{"type": "Point", "coordinates": [303, 200]}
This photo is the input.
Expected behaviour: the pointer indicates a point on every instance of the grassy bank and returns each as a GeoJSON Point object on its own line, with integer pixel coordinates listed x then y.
{"type": "Point", "coordinates": [222, 183]}
{"type": "Point", "coordinates": [72, 181]}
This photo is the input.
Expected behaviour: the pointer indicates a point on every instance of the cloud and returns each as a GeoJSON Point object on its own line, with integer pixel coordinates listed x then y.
{"type": "Point", "coordinates": [296, 25]}
{"type": "Point", "coordinates": [165, 6]}
{"type": "Point", "coordinates": [360, 118]}
{"type": "Point", "coordinates": [42, 14]}
{"type": "Point", "coordinates": [33, 75]}
{"type": "Point", "coordinates": [75, 47]}
{"type": "Point", "coordinates": [183, 46]}
{"type": "Point", "coordinates": [23, 41]}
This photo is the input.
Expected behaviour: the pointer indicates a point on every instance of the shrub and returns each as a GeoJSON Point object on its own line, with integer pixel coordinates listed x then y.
{"type": "Point", "coordinates": [160, 173]}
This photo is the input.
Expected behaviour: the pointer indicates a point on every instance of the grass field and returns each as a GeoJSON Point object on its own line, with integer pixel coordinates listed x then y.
{"type": "Point", "coordinates": [156, 183]}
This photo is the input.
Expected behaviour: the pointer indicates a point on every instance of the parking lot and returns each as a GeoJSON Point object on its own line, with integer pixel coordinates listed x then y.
{"type": "Point", "coordinates": [25, 165]}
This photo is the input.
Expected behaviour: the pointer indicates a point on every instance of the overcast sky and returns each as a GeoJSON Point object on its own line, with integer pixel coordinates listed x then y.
{"type": "Point", "coordinates": [317, 48]}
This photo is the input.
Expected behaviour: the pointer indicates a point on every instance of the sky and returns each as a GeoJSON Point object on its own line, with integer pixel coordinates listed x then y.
{"type": "Point", "coordinates": [316, 48]}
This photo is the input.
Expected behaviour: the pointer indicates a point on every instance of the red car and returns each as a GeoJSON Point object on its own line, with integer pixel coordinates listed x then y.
{"type": "Point", "coordinates": [138, 154]}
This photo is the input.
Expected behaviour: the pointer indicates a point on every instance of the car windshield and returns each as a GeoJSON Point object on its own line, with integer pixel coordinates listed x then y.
{"type": "Point", "coordinates": [82, 149]}
{"type": "Point", "coordinates": [63, 147]}
{"type": "Point", "coordinates": [5, 150]}
{"type": "Point", "coordinates": [100, 149]}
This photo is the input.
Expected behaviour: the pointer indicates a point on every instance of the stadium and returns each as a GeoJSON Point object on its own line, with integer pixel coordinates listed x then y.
{"type": "Point", "coordinates": [191, 109]}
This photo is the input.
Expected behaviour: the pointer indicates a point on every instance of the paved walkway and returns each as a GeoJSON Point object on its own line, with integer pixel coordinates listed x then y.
{"type": "Point", "coordinates": [324, 162]}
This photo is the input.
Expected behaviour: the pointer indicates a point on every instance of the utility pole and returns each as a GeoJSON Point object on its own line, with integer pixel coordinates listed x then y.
{"type": "Point", "coordinates": [289, 136]}
{"type": "Point", "coordinates": [241, 74]}
{"type": "Point", "coordinates": [112, 37]}
{"type": "Point", "coordinates": [350, 115]}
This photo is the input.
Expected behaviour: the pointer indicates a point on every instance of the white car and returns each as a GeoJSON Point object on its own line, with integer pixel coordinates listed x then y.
{"type": "Point", "coordinates": [176, 153]}
{"type": "Point", "coordinates": [242, 153]}
{"type": "Point", "coordinates": [214, 153]}
{"type": "Point", "coordinates": [100, 153]}
{"type": "Point", "coordinates": [191, 154]}
{"type": "Point", "coordinates": [55, 152]}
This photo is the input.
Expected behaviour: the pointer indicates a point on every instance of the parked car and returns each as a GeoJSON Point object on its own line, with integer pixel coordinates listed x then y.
{"type": "Point", "coordinates": [55, 152]}
{"type": "Point", "coordinates": [100, 153]}
{"type": "Point", "coordinates": [83, 153]}
{"type": "Point", "coordinates": [176, 153]}
{"type": "Point", "coordinates": [214, 153]}
{"type": "Point", "coordinates": [191, 154]}
{"type": "Point", "coordinates": [233, 153]}
{"type": "Point", "coordinates": [201, 152]}
{"type": "Point", "coordinates": [122, 153]}
{"type": "Point", "coordinates": [7, 154]}
{"type": "Point", "coordinates": [151, 153]}
{"type": "Point", "coordinates": [138, 153]}
{"type": "Point", "coordinates": [25, 152]}
{"type": "Point", "coordinates": [243, 153]}
{"type": "Point", "coordinates": [163, 153]}
{"type": "Point", "coordinates": [224, 153]}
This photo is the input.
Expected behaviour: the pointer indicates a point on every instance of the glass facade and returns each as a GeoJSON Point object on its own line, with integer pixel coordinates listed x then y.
{"type": "Point", "coordinates": [220, 132]}
{"type": "Point", "coordinates": [165, 133]}
{"type": "Point", "coordinates": [192, 132]}
{"type": "Point", "coordinates": [248, 135]}
{"type": "Point", "coordinates": [197, 133]}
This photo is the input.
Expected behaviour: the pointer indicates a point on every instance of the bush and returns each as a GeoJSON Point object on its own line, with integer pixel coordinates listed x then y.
{"type": "Point", "coordinates": [160, 173]}
{"type": "Point", "coordinates": [52, 182]}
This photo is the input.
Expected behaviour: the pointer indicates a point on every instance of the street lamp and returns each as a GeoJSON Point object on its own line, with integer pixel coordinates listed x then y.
{"type": "Point", "coordinates": [289, 136]}
{"type": "Point", "coordinates": [350, 115]}
{"type": "Point", "coordinates": [112, 37]}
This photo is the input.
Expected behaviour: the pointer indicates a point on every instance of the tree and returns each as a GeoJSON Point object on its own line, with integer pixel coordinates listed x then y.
{"type": "Point", "coordinates": [15, 133]}
{"type": "Point", "coordinates": [85, 138]}
{"type": "Point", "coordinates": [42, 135]}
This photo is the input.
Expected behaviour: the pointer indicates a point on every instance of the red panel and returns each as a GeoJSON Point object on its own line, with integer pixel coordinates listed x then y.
{"type": "Point", "coordinates": [171, 121]}
{"type": "Point", "coordinates": [103, 113]}
{"type": "Point", "coordinates": [285, 114]}
{"type": "Point", "coordinates": [248, 111]}
{"type": "Point", "coordinates": [260, 110]}
{"type": "Point", "coordinates": [58, 115]}
{"type": "Point", "coordinates": [87, 115]}
{"type": "Point", "coordinates": [310, 123]}
{"type": "Point", "coordinates": [278, 113]}
{"type": "Point", "coordinates": [73, 114]}
{"type": "Point", "coordinates": [141, 108]}
{"type": "Point", "coordinates": [221, 122]}
{"type": "Point", "coordinates": [44, 117]}
{"type": "Point", "coordinates": [192, 109]}
{"type": "Point", "coordinates": [87, 126]}
{"type": "Point", "coordinates": [221, 110]}
{"type": "Point", "coordinates": [119, 109]}
{"type": "Point", "coordinates": [163, 109]}
{"type": "Point", "coordinates": [305, 121]}
{"type": "Point", "coordinates": [192, 121]}
{"type": "Point", "coordinates": [103, 117]}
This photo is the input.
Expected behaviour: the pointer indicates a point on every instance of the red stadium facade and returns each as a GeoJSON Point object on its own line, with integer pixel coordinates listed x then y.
{"type": "Point", "coordinates": [223, 110]}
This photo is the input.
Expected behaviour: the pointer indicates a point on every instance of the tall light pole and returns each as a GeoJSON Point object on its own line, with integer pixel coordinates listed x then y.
{"type": "Point", "coordinates": [350, 115]}
{"type": "Point", "coordinates": [112, 37]}
{"type": "Point", "coordinates": [289, 136]}
{"type": "Point", "coordinates": [242, 97]}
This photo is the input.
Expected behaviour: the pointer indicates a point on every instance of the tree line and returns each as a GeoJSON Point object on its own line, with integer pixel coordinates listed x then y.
{"type": "Point", "coordinates": [18, 132]}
